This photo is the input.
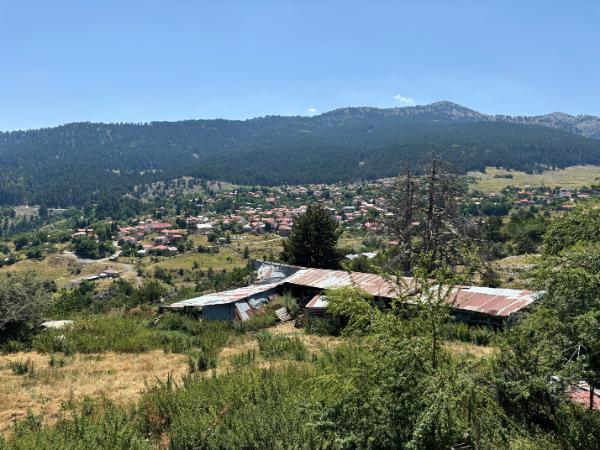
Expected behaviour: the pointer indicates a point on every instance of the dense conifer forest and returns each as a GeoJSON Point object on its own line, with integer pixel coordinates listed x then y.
{"type": "Point", "coordinates": [67, 165]}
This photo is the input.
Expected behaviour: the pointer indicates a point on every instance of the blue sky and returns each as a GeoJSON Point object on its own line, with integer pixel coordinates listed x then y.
{"type": "Point", "coordinates": [138, 61]}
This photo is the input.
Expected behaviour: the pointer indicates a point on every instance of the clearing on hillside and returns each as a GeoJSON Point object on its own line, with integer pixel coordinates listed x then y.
{"type": "Point", "coordinates": [493, 180]}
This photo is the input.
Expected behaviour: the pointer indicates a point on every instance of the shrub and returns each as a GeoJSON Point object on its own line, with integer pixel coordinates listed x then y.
{"type": "Point", "coordinates": [286, 301]}
{"type": "Point", "coordinates": [22, 367]}
{"type": "Point", "coordinates": [56, 361]}
{"type": "Point", "coordinates": [460, 331]}
{"type": "Point", "coordinates": [201, 361]}
{"type": "Point", "coordinates": [258, 322]}
{"type": "Point", "coordinates": [274, 346]}
{"type": "Point", "coordinates": [125, 333]}
{"type": "Point", "coordinates": [94, 424]}
{"type": "Point", "coordinates": [13, 346]}
{"type": "Point", "coordinates": [244, 359]}
{"type": "Point", "coordinates": [21, 300]}
{"type": "Point", "coordinates": [323, 326]}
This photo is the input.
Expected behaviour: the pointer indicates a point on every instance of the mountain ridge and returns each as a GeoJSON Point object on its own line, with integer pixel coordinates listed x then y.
{"type": "Point", "coordinates": [586, 125]}
{"type": "Point", "coordinates": [70, 164]}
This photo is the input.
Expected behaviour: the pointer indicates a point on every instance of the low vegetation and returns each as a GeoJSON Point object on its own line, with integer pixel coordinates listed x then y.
{"type": "Point", "coordinates": [126, 374]}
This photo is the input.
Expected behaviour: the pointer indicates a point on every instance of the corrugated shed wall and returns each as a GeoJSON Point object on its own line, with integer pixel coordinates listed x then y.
{"type": "Point", "coordinates": [218, 312]}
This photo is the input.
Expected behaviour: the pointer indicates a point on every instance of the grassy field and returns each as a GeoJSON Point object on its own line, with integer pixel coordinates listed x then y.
{"type": "Point", "coordinates": [119, 377]}
{"type": "Point", "coordinates": [572, 177]}
{"type": "Point", "coordinates": [228, 257]}
{"type": "Point", "coordinates": [56, 379]}
{"type": "Point", "coordinates": [60, 268]}
{"type": "Point", "coordinates": [514, 270]}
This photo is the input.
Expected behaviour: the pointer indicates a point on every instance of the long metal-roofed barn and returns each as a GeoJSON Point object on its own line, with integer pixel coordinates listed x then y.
{"type": "Point", "coordinates": [474, 304]}
{"type": "Point", "coordinates": [241, 303]}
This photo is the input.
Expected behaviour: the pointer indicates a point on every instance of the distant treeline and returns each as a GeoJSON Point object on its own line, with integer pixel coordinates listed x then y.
{"type": "Point", "coordinates": [67, 165]}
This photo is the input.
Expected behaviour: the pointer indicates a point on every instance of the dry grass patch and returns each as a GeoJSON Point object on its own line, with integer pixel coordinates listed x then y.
{"type": "Point", "coordinates": [247, 343]}
{"type": "Point", "coordinates": [468, 349]}
{"type": "Point", "coordinates": [62, 268]}
{"type": "Point", "coordinates": [572, 177]}
{"type": "Point", "coordinates": [312, 342]}
{"type": "Point", "coordinates": [119, 377]}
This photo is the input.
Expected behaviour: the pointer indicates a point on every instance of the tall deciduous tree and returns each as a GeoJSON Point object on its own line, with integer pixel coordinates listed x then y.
{"type": "Point", "coordinates": [313, 242]}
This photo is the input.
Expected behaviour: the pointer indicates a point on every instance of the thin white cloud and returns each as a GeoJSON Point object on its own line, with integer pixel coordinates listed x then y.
{"type": "Point", "coordinates": [311, 110]}
{"type": "Point", "coordinates": [403, 99]}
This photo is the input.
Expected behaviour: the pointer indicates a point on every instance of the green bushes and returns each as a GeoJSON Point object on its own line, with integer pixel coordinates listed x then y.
{"type": "Point", "coordinates": [95, 334]}
{"type": "Point", "coordinates": [275, 346]}
{"type": "Point", "coordinates": [125, 333]}
{"type": "Point", "coordinates": [93, 425]}
{"type": "Point", "coordinates": [56, 361]}
{"type": "Point", "coordinates": [247, 408]}
{"type": "Point", "coordinates": [22, 298]}
{"type": "Point", "coordinates": [13, 346]}
{"type": "Point", "coordinates": [22, 367]}
{"type": "Point", "coordinates": [201, 361]}
{"type": "Point", "coordinates": [286, 301]}
{"type": "Point", "coordinates": [244, 359]}
{"type": "Point", "coordinates": [460, 331]}
{"type": "Point", "coordinates": [258, 322]}
{"type": "Point", "coordinates": [376, 393]}
{"type": "Point", "coordinates": [323, 326]}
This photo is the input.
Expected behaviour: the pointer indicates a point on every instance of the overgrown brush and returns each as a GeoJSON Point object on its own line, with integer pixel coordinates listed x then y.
{"type": "Point", "coordinates": [201, 361]}
{"type": "Point", "coordinates": [244, 359]}
{"type": "Point", "coordinates": [286, 301]}
{"type": "Point", "coordinates": [257, 322]}
{"type": "Point", "coordinates": [323, 326]}
{"type": "Point", "coordinates": [275, 346]}
{"type": "Point", "coordinates": [14, 346]}
{"type": "Point", "coordinates": [56, 361]}
{"type": "Point", "coordinates": [95, 424]}
{"type": "Point", "coordinates": [460, 331]}
{"type": "Point", "coordinates": [119, 332]}
{"type": "Point", "coordinates": [22, 367]}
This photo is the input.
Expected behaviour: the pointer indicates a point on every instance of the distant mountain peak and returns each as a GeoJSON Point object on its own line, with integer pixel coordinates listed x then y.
{"type": "Point", "coordinates": [444, 110]}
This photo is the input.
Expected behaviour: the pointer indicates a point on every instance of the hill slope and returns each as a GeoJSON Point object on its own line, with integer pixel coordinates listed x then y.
{"type": "Point", "coordinates": [65, 165]}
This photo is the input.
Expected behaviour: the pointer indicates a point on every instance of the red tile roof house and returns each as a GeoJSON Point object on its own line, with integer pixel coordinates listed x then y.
{"type": "Point", "coordinates": [156, 226]}
{"type": "Point", "coordinates": [163, 250]}
{"type": "Point", "coordinates": [582, 395]}
{"type": "Point", "coordinates": [130, 239]}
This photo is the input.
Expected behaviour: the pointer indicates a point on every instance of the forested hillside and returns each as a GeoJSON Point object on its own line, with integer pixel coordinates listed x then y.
{"type": "Point", "coordinates": [66, 165]}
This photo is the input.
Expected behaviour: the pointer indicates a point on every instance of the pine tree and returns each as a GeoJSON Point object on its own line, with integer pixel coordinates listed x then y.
{"type": "Point", "coordinates": [313, 242]}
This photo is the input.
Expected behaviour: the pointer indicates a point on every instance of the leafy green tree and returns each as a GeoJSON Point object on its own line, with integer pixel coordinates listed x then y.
{"type": "Point", "coordinates": [85, 247]}
{"type": "Point", "coordinates": [580, 225]}
{"type": "Point", "coordinates": [313, 241]}
{"type": "Point", "coordinates": [22, 299]}
{"type": "Point", "coordinates": [21, 242]}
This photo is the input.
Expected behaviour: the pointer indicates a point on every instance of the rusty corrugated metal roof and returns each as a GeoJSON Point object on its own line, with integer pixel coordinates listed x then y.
{"type": "Point", "coordinates": [375, 285]}
{"type": "Point", "coordinates": [221, 298]}
{"type": "Point", "coordinates": [483, 300]}
{"type": "Point", "coordinates": [318, 302]}
{"type": "Point", "coordinates": [492, 301]}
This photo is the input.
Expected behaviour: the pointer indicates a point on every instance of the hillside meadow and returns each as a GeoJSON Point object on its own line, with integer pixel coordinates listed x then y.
{"type": "Point", "coordinates": [494, 179]}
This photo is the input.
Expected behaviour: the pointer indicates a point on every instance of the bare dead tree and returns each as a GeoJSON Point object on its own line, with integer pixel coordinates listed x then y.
{"type": "Point", "coordinates": [425, 219]}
